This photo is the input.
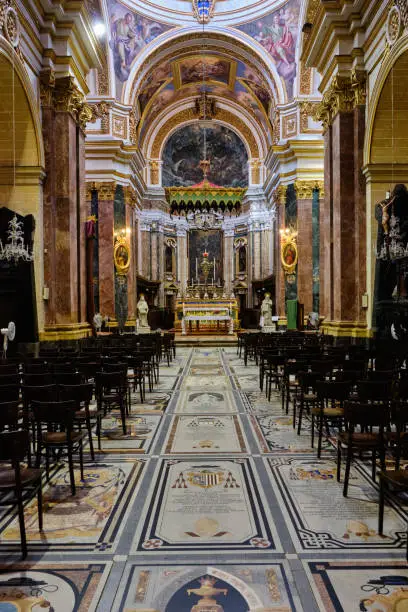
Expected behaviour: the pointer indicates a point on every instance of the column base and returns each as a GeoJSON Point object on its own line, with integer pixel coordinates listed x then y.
{"type": "Point", "coordinates": [351, 329]}
{"type": "Point", "coordinates": [65, 331]}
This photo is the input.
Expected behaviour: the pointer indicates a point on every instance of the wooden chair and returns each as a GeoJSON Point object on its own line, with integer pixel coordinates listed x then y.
{"type": "Point", "coordinates": [60, 436]}
{"type": "Point", "coordinates": [308, 395]}
{"type": "Point", "coordinates": [82, 396]}
{"type": "Point", "coordinates": [18, 485]}
{"type": "Point", "coordinates": [330, 407]}
{"type": "Point", "coordinates": [111, 389]}
{"type": "Point", "coordinates": [364, 416]}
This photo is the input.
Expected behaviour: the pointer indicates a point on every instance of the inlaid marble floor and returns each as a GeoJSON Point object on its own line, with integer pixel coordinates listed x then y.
{"type": "Point", "coordinates": [210, 493]}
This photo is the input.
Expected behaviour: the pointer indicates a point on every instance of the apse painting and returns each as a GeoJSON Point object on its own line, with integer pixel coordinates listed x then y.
{"type": "Point", "coordinates": [277, 33]}
{"type": "Point", "coordinates": [130, 32]}
{"type": "Point", "coordinates": [211, 68]}
{"type": "Point", "coordinates": [184, 151]}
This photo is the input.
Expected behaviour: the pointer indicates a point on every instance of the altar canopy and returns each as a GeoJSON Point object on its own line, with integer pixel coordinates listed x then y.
{"type": "Point", "coordinates": [204, 196]}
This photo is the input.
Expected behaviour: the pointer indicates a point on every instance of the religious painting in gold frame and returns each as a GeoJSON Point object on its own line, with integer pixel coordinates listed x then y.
{"type": "Point", "coordinates": [289, 252]}
{"type": "Point", "coordinates": [121, 256]}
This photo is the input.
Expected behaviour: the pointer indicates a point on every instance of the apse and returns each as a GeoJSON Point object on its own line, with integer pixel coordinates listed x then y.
{"type": "Point", "coordinates": [224, 149]}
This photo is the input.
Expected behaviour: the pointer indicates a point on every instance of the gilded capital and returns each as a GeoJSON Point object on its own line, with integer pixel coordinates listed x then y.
{"type": "Point", "coordinates": [343, 95]}
{"type": "Point", "coordinates": [304, 189]}
{"type": "Point", "coordinates": [279, 194]}
{"type": "Point", "coordinates": [68, 98]}
{"type": "Point", "coordinates": [130, 196]}
{"type": "Point", "coordinates": [106, 191]}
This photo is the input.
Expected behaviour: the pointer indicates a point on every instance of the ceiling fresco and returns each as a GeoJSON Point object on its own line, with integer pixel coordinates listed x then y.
{"type": "Point", "coordinates": [184, 151]}
{"type": "Point", "coordinates": [130, 32]}
{"type": "Point", "coordinates": [224, 78]}
{"type": "Point", "coordinates": [277, 32]}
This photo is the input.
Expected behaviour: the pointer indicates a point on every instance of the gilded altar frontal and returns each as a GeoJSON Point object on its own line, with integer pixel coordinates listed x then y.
{"type": "Point", "coordinates": [203, 305]}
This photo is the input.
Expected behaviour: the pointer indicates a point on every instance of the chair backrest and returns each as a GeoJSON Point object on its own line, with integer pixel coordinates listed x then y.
{"type": "Point", "coordinates": [59, 413]}
{"type": "Point", "coordinates": [119, 366]}
{"type": "Point", "coordinates": [34, 380]}
{"type": "Point", "coordinates": [68, 378]}
{"type": "Point", "coordinates": [374, 390]}
{"type": "Point", "coordinates": [39, 393]}
{"type": "Point", "coordinates": [9, 393]}
{"type": "Point", "coordinates": [308, 380]}
{"type": "Point", "coordinates": [78, 393]}
{"type": "Point", "coordinates": [9, 415]}
{"type": "Point", "coordinates": [109, 380]}
{"type": "Point", "coordinates": [36, 368]}
{"type": "Point", "coordinates": [9, 379]}
{"type": "Point", "coordinates": [14, 445]}
{"type": "Point", "coordinates": [366, 414]}
{"type": "Point", "coordinates": [333, 390]}
{"type": "Point", "coordinates": [9, 368]}
{"type": "Point", "coordinates": [322, 365]}
{"type": "Point", "coordinates": [381, 375]}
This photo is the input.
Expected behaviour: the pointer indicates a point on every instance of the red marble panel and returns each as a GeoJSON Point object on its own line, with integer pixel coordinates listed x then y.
{"type": "Point", "coordinates": [106, 265]}
{"type": "Point", "coordinates": [132, 270]}
{"type": "Point", "coordinates": [360, 204]}
{"type": "Point", "coordinates": [49, 213]}
{"type": "Point", "coordinates": [325, 231]}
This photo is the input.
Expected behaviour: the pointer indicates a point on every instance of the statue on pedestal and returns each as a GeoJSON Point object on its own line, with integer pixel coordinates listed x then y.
{"type": "Point", "coordinates": [266, 313]}
{"type": "Point", "coordinates": [142, 310]}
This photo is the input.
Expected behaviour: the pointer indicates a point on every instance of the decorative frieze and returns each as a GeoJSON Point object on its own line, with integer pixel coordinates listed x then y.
{"type": "Point", "coordinates": [289, 125]}
{"type": "Point", "coordinates": [307, 109]}
{"type": "Point", "coordinates": [106, 190]}
{"type": "Point", "coordinates": [101, 111]}
{"type": "Point", "coordinates": [343, 95]}
{"type": "Point", "coordinates": [119, 126]}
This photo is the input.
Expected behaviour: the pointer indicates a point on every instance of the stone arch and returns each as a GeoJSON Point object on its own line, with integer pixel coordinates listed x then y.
{"type": "Point", "coordinates": [188, 116]}
{"type": "Point", "coordinates": [21, 189]}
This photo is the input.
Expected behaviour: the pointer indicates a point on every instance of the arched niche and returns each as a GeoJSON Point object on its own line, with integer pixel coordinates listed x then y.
{"type": "Point", "coordinates": [22, 155]}
{"type": "Point", "coordinates": [385, 147]}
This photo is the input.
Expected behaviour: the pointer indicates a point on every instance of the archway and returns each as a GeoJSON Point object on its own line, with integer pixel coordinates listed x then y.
{"type": "Point", "coordinates": [386, 151]}
{"type": "Point", "coordinates": [21, 175]}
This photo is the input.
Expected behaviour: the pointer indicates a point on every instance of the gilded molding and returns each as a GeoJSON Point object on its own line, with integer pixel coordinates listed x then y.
{"type": "Point", "coordinates": [255, 166]}
{"type": "Point", "coordinates": [305, 80]}
{"type": "Point", "coordinates": [289, 125]}
{"type": "Point", "coordinates": [106, 190]}
{"type": "Point", "coordinates": [276, 125]}
{"type": "Point", "coordinates": [68, 98]}
{"type": "Point", "coordinates": [189, 114]}
{"type": "Point", "coordinates": [101, 111]}
{"type": "Point", "coordinates": [47, 84]}
{"type": "Point", "coordinates": [304, 189]}
{"type": "Point", "coordinates": [154, 172]}
{"type": "Point", "coordinates": [307, 109]}
{"type": "Point", "coordinates": [403, 8]}
{"type": "Point", "coordinates": [343, 95]}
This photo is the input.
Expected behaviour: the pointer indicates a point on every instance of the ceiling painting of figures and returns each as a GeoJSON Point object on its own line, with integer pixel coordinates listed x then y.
{"type": "Point", "coordinates": [130, 33]}
{"type": "Point", "coordinates": [185, 149]}
{"type": "Point", "coordinates": [277, 32]}
{"type": "Point", "coordinates": [203, 68]}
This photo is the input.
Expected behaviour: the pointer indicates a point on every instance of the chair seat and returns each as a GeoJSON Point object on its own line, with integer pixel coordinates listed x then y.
{"type": "Point", "coordinates": [7, 476]}
{"type": "Point", "coordinates": [396, 477]}
{"type": "Point", "coordinates": [328, 412]}
{"type": "Point", "coordinates": [310, 397]}
{"type": "Point", "coordinates": [60, 437]}
{"type": "Point", "coordinates": [361, 439]}
{"type": "Point", "coordinates": [93, 412]}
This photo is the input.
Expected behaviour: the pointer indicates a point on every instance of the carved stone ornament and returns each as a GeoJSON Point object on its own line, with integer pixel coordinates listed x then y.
{"type": "Point", "coordinates": [307, 109]}
{"type": "Point", "coordinates": [256, 166]}
{"type": "Point", "coordinates": [106, 191]}
{"type": "Point", "coordinates": [68, 98]}
{"type": "Point", "coordinates": [154, 172]}
{"type": "Point", "coordinates": [101, 111]}
{"type": "Point", "coordinates": [343, 95]}
{"type": "Point", "coordinates": [133, 123]}
{"type": "Point", "coordinates": [279, 194]}
{"type": "Point", "coordinates": [130, 196]}
{"type": "Point", "coordinates": [403, 8]}
{"type": "Point", "coordinates": [203, 10]}
{"type": "Point", "coordinates": [393, 27]}
{"type": "Point", "coordinates": [11, 23]}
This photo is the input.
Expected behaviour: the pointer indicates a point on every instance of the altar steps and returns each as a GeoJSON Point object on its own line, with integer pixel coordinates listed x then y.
{"type": "Point", "coordinates": [206, 340]}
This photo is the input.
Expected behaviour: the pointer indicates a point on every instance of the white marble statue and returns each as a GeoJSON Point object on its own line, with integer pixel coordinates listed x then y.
{"type": "Point", "coordinates": [266, 311]}
{"type": "Point", "coordinates": [142, 310]}
{"type": "Point", "coordinates": [97, 321]}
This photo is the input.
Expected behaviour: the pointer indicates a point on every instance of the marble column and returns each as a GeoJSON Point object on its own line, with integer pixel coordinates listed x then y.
{"type": "Point", "coordinates": [182, 259]}
{"type": "Point", "coordinates": [228, 263]}
{"type": "Point", "coordinates": [65, 209]}
{"type": "Point", "coordinates": [304, 194]}
{"type": "Point", "coordinates": [342, 213]}
{"type": "Point", "coordinates": [131, 277]}
{"type": "Point", "coordinates": [279, 199]}
{"type": "Point", "coordinates": [106, 196]}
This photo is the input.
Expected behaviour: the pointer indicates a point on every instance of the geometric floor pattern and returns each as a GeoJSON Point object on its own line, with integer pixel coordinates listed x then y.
{"type": "Point", "coordinates": [210, 502]}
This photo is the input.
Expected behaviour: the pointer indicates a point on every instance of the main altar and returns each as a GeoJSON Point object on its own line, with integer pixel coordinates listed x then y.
{"type": "Point", "coordinates": [203, 315]}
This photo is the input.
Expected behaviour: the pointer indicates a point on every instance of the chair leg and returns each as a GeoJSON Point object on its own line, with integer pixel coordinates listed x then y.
{"type": "Point", "coordinates": [373, 457]}
{"type": "Point", "coordinates": [98, 430]}
{"type": "Point", "coordinates": [319, 443]}
{"type": "Point", "coordinates": [81, 459]}
{"type": "Point", "coordinates": [123, 415]}
{"type": "Point", "coordinates": [381, 507]}
{"type": "Point", "coordinates": [22, 528]}
{"type": "Point", "coordinates": [47, 463]}
{"type": "Point", "coordinates": [40, 508]}
{"type": "Point", "coordinates": [338, 460]}
{"type": "Point", "coordinates": [313, 427]}
{"type": "Point", "coordinates": [300, 417]}
{"type": "Point", "coordinates": [71, 470]}
{"type": "Point", "coordinates": [347, 472]}
{"type": "Point", "coordinates": [91, 447]}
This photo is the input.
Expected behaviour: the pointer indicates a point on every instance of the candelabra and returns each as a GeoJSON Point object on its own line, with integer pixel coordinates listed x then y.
{"type": "Point", "coordinates": [14, 250]}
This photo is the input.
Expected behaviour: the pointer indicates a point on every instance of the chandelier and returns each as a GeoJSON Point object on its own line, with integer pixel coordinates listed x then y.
{"type": "Point", "coordinates": [14, 250]}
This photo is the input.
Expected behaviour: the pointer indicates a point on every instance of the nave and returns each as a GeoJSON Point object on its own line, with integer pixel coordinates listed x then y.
{"type": "Point", "coordinates": [211, 501]}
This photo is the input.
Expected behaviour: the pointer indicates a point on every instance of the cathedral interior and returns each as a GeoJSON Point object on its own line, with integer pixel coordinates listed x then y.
{"type": "Point", "coordinates": [203, 294]}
